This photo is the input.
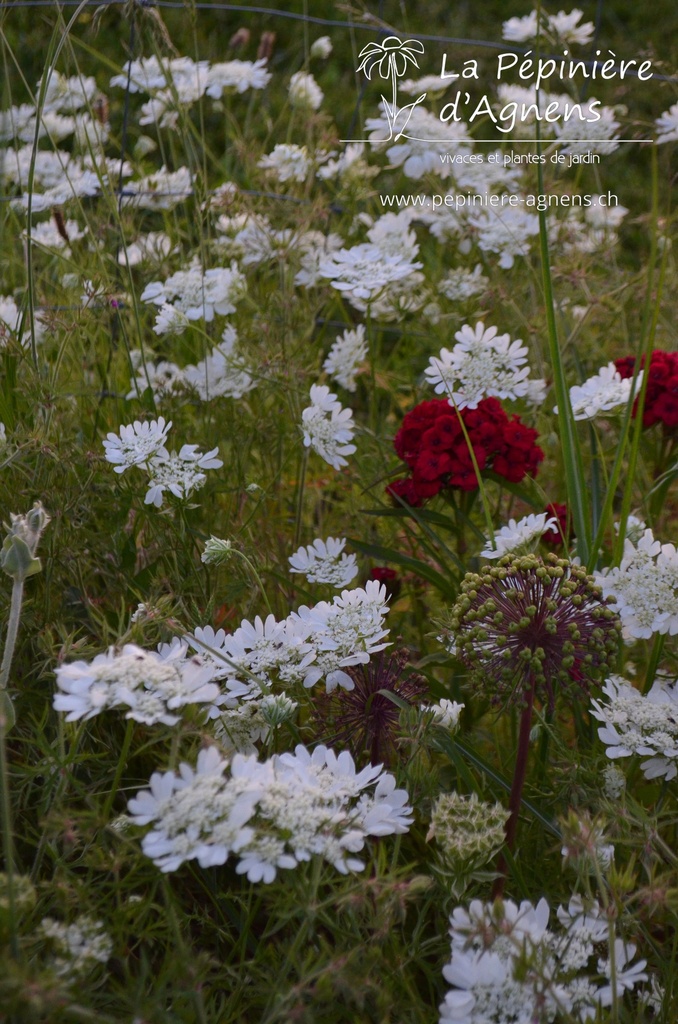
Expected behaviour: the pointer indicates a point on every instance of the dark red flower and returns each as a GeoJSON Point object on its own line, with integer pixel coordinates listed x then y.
{"type": "Point", "coordinates": [661, 397]}
{"type": "Point", "coordinates": [390, 579]}
{"type": "Point", "coordinates": [435, 441]}
{"type": "Point", "coordinates": [555, 535]}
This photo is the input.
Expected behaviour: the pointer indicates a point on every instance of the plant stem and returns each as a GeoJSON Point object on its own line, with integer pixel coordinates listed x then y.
{"type": "Point", "coordinates": [8, 839]}
{"type": "Point", "coordinates": [122, 761]}
{"type": "Point", "coordinates": [12, 630]}
{"type": "Point", "coordinates": [515, 797]}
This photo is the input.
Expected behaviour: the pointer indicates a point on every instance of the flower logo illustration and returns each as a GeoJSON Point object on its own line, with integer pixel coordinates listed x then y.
{"type": "Point", "coordinates": [390, 59]}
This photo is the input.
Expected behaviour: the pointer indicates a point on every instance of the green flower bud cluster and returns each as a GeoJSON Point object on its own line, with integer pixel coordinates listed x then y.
{"type": "Point", "coordinates": [468, 831]}
{"type": "Point", "coordinates": [527, 621]}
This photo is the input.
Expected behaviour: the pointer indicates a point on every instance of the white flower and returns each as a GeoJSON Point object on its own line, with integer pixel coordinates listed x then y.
{"type": "Point", "coordinates": [445, 713]}
{"type": "Point", "coordinates": [153, 246]}
{"type": "Point", "coordinates": [320, 562]}
{"type": "Point", "coordinates": [304, 91]}
{"type": "Point", "coordinates": [597, 136]}
{"type": "Point", "coordinates": [236, 76]}
{"type": "Point", "coordinates": [327, 427]}
{"type": "Point", "coordinates": [635, 528]}
{"type": "Point", "coordinates": [483, 363]}
{"type": "Point", "coordinates": [667, 125]}
{"type": "Point", "coordinates": [199, 295]}
{"type": "Point", "coordinates": [615, 782]}
{"type": "Point", "coordinates": [81, 945]}
{"type": "Point", "coordinates": [136, 443]}
{"type": "Point", "coordinates": [13, 319]}
{"type": "Point", "coordinates": [506, 231]}
{"type": "Point", "coordinates": [461, 284]}
{"type": "Point", "coordinates": [414, 153]}
{"type": "Point", "coordinates": [148, 686]}
{"type": "Point", "coordinates": [509, 965]}
{"type": "Point", "coordinates": [645, 725]}
{"type": "Point", "coordinates": [344, 358]}
{"type": "Point", "coordinates": [601, 393]}
{"type": "Point", "coordinates": [65, 94]}
{"type": "Point", "coordinates": [47, 235]}
{"type": "Point", "coordinates": [519, 30]}
{"type": "Point", "coordinates": [349, 167]}
{"type": "Point", "coordinates": [170, 320]}
{"type": "Point", "coordinates": [222, 373]}
{"type": "Point", "coordinates": [321, 47]}
{"type": "Point", "coordinates": [519, 534]}
{"type": "Point", "coordinates": [434, 85]}
{"type": "Point", "coordinates": [566, 26]}
{"type": "Point", "coordinates": [287, 162]}
{"type": "Point", "coordinates": [161, 190]}
{"type": "Point", "coordinates": [162, 377]}
{"type": "Point", "coordinates": [363, 271]}
{"type": "Point", "coordinates": [272, 814]}
{"type": "Point", "coordinates": [217, 551]}
{"type": "Point", "coordinates": [178, 473]}
{"type": "Point", "coordinates": [341, 634]}
{"type": "Point", "coordinates": [645, 587]}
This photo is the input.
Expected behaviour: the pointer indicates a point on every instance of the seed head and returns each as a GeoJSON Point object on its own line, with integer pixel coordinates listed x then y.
{"type": "Point", "coordinates": [526, 620]}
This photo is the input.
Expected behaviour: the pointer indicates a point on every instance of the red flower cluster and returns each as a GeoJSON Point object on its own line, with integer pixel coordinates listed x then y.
{"type": "Point", "coordinates": [555, 535]}
{"type": "Point", "coordinates": [431, 441]}
{"type": "Point", "coordinates": [661, 399]}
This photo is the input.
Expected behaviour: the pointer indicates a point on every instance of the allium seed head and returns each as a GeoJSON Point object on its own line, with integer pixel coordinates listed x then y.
{"type": "Point", "coordinates": [526, 620]}
{"type": "Point", "coordinates": [366, 719]}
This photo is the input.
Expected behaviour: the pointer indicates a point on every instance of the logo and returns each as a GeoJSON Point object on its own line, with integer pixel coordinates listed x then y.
{"type": "Point", "coordinates": [391, 60]}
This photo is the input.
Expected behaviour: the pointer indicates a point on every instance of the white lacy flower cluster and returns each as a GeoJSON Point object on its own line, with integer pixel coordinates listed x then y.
{"type": "Point", "coordinates": [195, 294]}
{"type": "Point", "coordinates": [482, 364]}
{"type": "Point", "coordinates": [605, 392]}
{"type": "Point", "coordinates": [508, 965]}
{"type": "Point", "coordinates": [564, 26]}
{"type": "Point", "coordinates": [15, 325]}
{"type": "Point", "coordinates": [174, 85]}
{"type": "Point", "coordinates": [80, 946]}
{"type": "Point", "coordinates": [272, 815]}
{"type": "Point", "coordinates": [364, 271]}
{"type": "Point", "coordinates": [239, 729]}
{"type": "Point", "coordinates": [149, 687]}
{"type": "Point", "coordinates": [222, 373]}
{"type": "Point", "coordinates": [143, 444]}
{"type": "Point", "coordinates": [287, 162]}
{"type": "Point", "coordinates": [667, 125]}
{"type": "Point", "coordinates": [344, 358]}
{"type": "Point", "coordinates": [328, 427]}
{"type": "Point", "coordinates": [644, 587]}
{"type": "Point", "coordinates": [520, 534]}
{"type": "Point", "coordinates": [309, 645]}
{"type": "Point", "coordinates": [323, 562]}
{"type": "Point", "coordinates": [642, 725]}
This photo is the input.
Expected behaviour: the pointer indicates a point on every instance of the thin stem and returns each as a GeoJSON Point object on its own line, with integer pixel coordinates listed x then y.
{"type": "Point", "coordinates": [8, 838]}
{"type": "Point", "coordinates": [300, 498]}
{"type": "Point", "coordinates": [515, 797]}
{"type": "Point", "coordinates": [122, 761]}
{"type": "Point", "coordinates": [12, 630]}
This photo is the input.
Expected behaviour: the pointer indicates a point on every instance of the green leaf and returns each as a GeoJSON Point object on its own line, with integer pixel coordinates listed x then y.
{"type": "Point", "coordinates": [454, 749]}
{"type": "Point", "coordinates": [446, 587]}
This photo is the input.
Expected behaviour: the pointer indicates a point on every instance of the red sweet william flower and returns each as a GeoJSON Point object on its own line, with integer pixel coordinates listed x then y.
{"type": "Point", "coordinates": [555, 535]}
{"type": "Point", "coordinates": [433, 445]}
{"type": "Point", "coordinates": [661, 398]}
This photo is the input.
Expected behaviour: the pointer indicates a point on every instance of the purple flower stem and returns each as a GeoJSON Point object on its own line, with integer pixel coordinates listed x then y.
{"type": "Point", "coordinates": [515, 798]}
